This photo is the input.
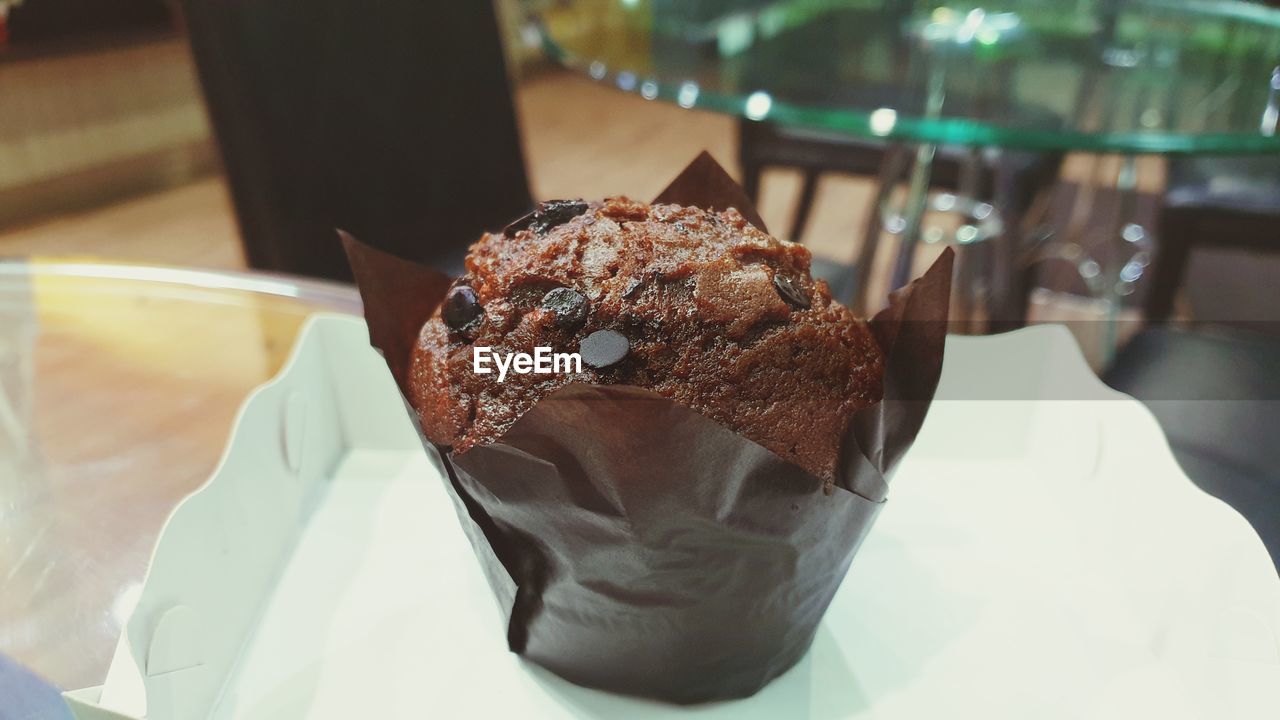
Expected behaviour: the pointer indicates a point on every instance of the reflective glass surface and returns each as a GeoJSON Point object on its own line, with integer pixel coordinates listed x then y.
{"type": "Point", "coordinates": [118, 388]}
{"type": "Point", "coordinates": [1130, 76]}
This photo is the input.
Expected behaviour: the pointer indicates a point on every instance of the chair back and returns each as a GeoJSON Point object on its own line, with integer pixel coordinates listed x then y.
{"type": "Point", "coordinates": [392, 120]}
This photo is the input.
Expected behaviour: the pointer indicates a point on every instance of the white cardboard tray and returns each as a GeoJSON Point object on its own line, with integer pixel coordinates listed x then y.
{"type": "Point", "coordinates": [322, 573]}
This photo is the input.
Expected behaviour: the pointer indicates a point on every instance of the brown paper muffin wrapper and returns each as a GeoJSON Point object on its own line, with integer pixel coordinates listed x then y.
{"type": "Point", "coordinates": [639, 547]}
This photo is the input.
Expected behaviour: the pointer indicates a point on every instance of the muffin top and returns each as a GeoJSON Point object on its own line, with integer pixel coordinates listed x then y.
{"type": "Point", "coordinates": [698, 306]}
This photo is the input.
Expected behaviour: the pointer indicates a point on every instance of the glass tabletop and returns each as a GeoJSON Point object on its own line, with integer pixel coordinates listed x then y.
{"type": "Point", "coordinates": [1160, 76]}
{"type": "Point", "coordinates": [118, 388]}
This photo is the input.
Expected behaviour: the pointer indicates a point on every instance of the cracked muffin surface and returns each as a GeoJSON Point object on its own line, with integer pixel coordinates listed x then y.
{"type": "Point", "coordinates": [700, 307]}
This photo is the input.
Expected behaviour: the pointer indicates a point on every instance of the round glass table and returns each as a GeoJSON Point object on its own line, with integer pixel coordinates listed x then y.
{"type": "Point", "coordinates": [118, 388]}
{"type": "Point", "coordinates": [1104, 75]}
{"type": "Point", "coordinates": [1112, 76]}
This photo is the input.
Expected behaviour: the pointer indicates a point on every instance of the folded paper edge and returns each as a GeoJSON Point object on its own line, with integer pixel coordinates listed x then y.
{"type": "Point", "coordinates": [412, 292]}
{"type": "Point", "coordinates": [587, 392]}
{"type": "Point", "coordinates": [704, 183]}
{"type": "Point", "coordinates": [912, 333]}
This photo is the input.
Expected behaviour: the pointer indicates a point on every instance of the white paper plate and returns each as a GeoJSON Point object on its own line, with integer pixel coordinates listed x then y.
{"type": "Point", "coordinates": [1038, 558]}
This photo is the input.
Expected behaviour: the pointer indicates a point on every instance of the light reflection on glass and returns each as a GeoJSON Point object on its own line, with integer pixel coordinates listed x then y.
{"type": "Point", "coordinates": [627, 81]}
{"type": "Point", "coordinates": [1121, 57]}
{"type": "Point", "coordinates": [1131, 272]}
{"type": "Point", "coordinates": [948, 25]}
{"type": "Point", "coordinates": [988, 36]}
{"type": "Point", "coordinates": [648, 89]}
{"type": "Point", "coordinates": [1272, 112]}
{"type": "Point", "coordinates": [688, 95]}
{"type": "Point", "coordinates": [734, 35]}
{"type": "Point", "coordinates": [530, 36]}
{"type": "Point", "coordinates": [597, 70]}
{"type": "Point", "coordinates": [969, 28]}
{"type": "Point", "coordinates": [882, 121]}
{"type": "Point", "coordinates": [758, 105]}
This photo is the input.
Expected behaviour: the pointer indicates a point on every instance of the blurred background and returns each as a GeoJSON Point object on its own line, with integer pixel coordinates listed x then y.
{"type": "Point", "coordinates": [107, 149]}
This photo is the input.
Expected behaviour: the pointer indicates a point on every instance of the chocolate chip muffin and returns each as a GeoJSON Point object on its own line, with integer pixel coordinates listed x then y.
{"type": "Point", "coordinates": [700, 307]}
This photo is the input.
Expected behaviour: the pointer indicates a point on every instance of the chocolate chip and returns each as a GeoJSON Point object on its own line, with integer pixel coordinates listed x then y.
{"type": "Point", "coordinates": [555, 212]}
{"type": "Point", "coordinates": [603, 348]}
{"type": "Point", "coordinates": [461, 308]}
{"type": "Point", "coordinates": [548, 215]}
{"type": "Point", "coordinates": [791, 291]}
{"type": "Point", "coordinates": [569, 306]}
{"type": "Point", "coordinates": [519, 224]}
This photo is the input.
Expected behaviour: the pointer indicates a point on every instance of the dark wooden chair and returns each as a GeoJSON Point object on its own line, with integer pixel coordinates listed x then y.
{"type": "Point", "coordinates": [392, 120]}
{"type": "Point", "coordinates": [1214, 388]}
{"type": "Point", "coordinates": [763, 145]}
{"type": "Point", "coordinates": [1226, 202]}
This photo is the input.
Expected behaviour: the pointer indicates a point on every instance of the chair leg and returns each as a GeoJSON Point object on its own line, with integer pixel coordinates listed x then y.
{"type": "Point", "coordinates": [751, 173]}
{"type": "Point", "coordinates": [1025, 277]}
{"type": "Point", "coordinates": [969, 267]}
{"type": "Point", "coordinates": [891, 168]}
{"type": "Point", "coordinates": [1011, 291]}
{"type": "Point", "coordinates": [804, 205]}
{"type": "Point", "coordinates": [749, 132]}
{"type": "Point", "coordinates": [1174, 238]}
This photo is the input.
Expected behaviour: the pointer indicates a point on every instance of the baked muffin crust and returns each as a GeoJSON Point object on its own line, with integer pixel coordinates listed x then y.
{"type": "Point", "coordinates": [717, 315]}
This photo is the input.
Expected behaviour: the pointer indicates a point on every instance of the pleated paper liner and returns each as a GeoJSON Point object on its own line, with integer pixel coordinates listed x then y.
{"type": "Point", "coordinates": [639, 547]}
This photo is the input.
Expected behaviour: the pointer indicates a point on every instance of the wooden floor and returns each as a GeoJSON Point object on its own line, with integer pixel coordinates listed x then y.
{"type": "Point", "coordinates": [609, 144]}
